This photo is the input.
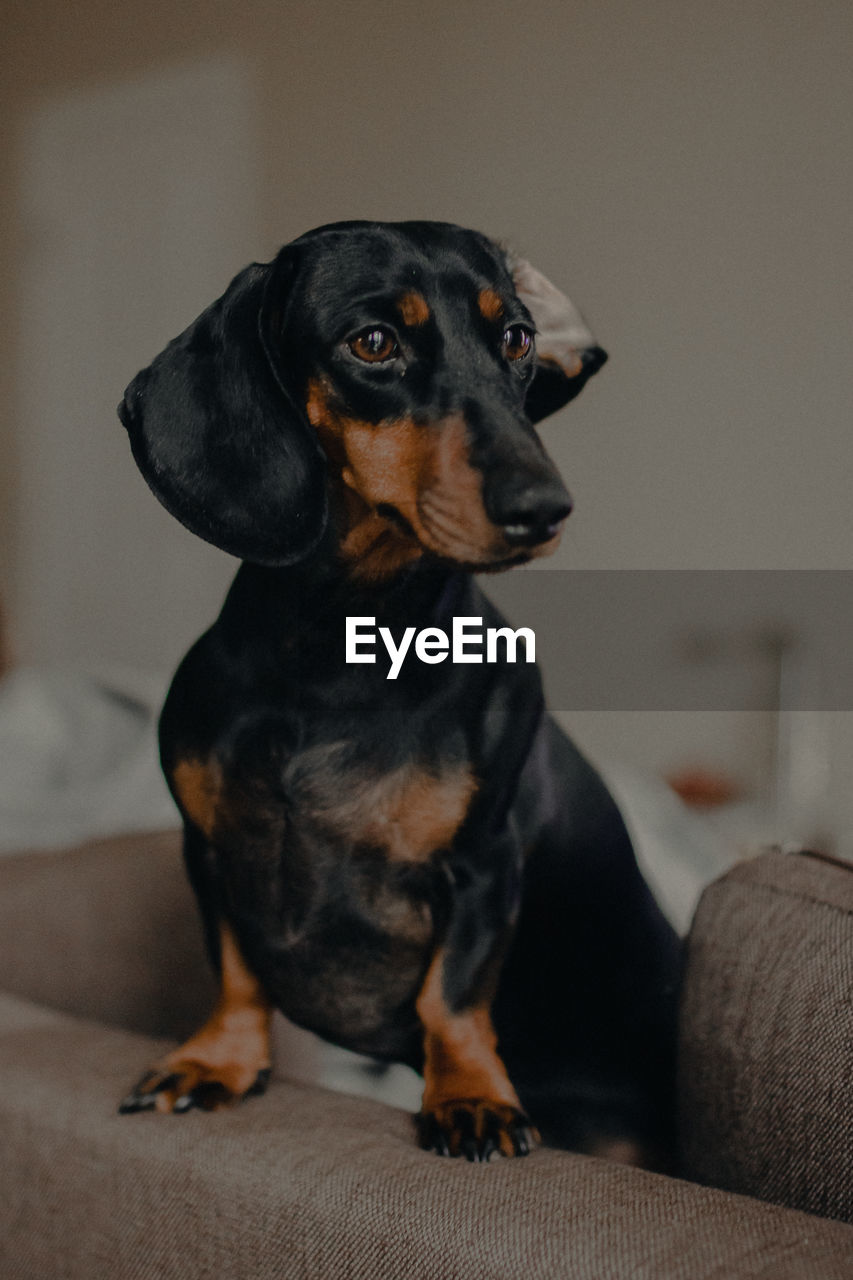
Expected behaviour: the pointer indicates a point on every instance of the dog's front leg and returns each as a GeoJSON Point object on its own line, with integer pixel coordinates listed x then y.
{"type": "Point", "coordinates": [469, 1105]}
{"type": "Point", "coordinates": [227, 1060]}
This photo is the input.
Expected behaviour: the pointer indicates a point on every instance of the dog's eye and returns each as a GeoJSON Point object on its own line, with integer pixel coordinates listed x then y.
{"type": "Point", "coordinates": [517, 342]}
{"type": "Point", "coordinates": [374, 345]}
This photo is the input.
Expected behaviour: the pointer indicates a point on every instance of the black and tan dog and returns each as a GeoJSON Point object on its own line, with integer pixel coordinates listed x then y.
{"type": "Point", "coordinates": [424, 869]}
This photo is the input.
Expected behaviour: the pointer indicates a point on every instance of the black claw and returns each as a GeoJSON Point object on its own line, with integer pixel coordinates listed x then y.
{"type": "Point", "coordinates": [426, 1134]}
{"type": "Point", "coordinates": [491, 1137]}
{"type": "Point", "coordinates": [430, 1136]}
{"type": "Point", "coordinates": [489, 1149]}
{"type": "Point", "coordinates": [522, 1139]}
{"type": "Point", "coordinates": [262, 1079]}
{"type": "Point", "coordinates": [142, 1097]}
{"type": "Point", "coordinates": [465, 1124]}
{"type": "Point", "coordinates": [168, 1082]}
{"type": "Point", "coordinates": [137, 1102]}
{"type": "Point", "coordinates": [206, 1095]}
{"type": "Point", "coordinates": [461, 1137]}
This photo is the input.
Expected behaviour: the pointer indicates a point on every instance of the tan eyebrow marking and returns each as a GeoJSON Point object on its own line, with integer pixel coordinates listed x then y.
{"type": "Point", "coordinates": [413, 309]}
{"type": "Point", "coordinates": [491, 307]}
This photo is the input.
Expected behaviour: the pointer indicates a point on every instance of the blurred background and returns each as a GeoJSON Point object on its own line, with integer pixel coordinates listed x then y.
{"type": "Point", "coordinates": [681, 169]}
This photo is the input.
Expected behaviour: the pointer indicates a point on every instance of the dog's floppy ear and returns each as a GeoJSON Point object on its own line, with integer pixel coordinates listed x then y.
{"type": "Point", "coordinates": [567, 353]}
{"type": "Point", "coordinates": [219, 437]}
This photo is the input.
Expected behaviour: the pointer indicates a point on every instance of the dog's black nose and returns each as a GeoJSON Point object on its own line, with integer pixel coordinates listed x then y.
{"type": "Point", "coordinates": [534, 516]}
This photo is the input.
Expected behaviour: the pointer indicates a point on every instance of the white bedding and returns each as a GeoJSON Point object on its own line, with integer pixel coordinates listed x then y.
{"type": "Point", "coordinates": [78, 758]}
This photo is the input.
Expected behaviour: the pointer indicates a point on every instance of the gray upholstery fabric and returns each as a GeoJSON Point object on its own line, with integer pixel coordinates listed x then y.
{"type": "Point", "coordinates": [766, 1074]}
{"type": "Point", "coordinates": [109, 930]}
{"type": "Point", "coordinates": [304, 1183]}
{"type": "Point", "coordinates": [307, 1183]}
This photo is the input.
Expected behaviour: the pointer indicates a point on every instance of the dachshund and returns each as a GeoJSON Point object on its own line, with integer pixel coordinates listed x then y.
{"type": "Point", "coordinates": [423, 870]}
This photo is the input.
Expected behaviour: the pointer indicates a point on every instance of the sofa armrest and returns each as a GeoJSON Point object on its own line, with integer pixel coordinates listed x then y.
{"type": "Point", "coordinates": [766, 1060]}
{"type": "Point", "coordinates": [302, 1182]}
{"type": "Point", "coordinates": [108, 930]}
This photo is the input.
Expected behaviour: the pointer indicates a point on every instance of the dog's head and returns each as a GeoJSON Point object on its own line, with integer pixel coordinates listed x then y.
{"type": "Point", "coordinates": [377, 383]}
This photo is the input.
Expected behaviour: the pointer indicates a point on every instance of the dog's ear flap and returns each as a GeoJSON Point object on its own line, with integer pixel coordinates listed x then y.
{"type": "Point", "coordinates": [567, 353]}
{"type": "Point", "coordinates": [219, 437]}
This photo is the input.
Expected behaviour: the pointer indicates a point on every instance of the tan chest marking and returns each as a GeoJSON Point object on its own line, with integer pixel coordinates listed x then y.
{"type": "Point", "coordinates": [409, 813]}
{"type": "Point", "coordinates": [420, 812]}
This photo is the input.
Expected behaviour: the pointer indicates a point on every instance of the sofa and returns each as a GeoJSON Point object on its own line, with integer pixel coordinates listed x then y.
{"type": "Point", "coordinates": [102, 966]}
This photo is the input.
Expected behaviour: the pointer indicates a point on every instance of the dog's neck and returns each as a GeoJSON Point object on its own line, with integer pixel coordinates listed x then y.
{"type": "Point", "coordinates": [305, 606]}
{"type": "Point", "coordinates": [373, 547]}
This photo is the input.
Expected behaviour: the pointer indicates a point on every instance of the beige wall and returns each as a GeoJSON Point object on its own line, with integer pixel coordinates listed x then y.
{"type": "Point", "coordinates": [682, 167]}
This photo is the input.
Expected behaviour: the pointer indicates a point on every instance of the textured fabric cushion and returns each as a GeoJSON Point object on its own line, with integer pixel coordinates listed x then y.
{"type": "Point", "coordinates": [766, 1073]}
{"type": "Point", "coordinates": [109, 930]}
{"type": "Point", "coordinates": [302, 1183]}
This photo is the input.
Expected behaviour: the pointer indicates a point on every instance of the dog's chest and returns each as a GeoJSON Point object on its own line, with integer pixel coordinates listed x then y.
{"type": "Point", "coordinates": [408, 811]}
{"type": "Point", "coordinates": [332, 859]}
{"type": "Point", "coordinates": [336, 795]}
{"type": "Point", "coordinates": [347, 933]}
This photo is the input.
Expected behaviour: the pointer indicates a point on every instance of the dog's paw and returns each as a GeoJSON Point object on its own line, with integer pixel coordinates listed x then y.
{"type": "Point", "coordinates": [476, 1128]}
{"type": "Point", "coordinates": [179, 1087]}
